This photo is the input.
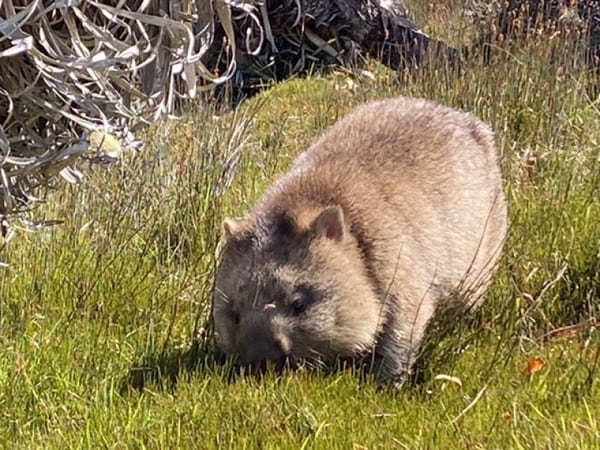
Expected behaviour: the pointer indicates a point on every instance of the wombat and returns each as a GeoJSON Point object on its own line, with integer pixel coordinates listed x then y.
{"type": "Point", "coordinates": [394, 212]}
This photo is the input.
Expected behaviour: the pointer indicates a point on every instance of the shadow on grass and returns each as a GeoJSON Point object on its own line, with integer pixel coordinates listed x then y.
{"type": "Point", "coordinates": [448, 337]}
{"type": "Point", "coordinates": [163, 370]}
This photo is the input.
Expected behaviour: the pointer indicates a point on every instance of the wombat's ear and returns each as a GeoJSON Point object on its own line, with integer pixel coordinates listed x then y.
{"type": "Point", "coordinates": [231, 228]}
{"type": "Point", "coordinates": [330, 224]}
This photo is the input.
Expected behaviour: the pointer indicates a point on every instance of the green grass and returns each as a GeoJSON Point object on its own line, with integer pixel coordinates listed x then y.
{"type": "Point", "coordinates": [99, 316]}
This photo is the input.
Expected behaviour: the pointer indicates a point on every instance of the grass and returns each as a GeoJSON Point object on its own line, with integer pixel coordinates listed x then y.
{"type": "Point", "coordinates": [99, 316]}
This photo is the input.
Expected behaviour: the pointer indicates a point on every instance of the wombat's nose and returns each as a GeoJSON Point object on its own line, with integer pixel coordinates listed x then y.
{"type": "Point", "coordinates": [263, 346]}
{"type": "Point", "coordinates": [283, 343]}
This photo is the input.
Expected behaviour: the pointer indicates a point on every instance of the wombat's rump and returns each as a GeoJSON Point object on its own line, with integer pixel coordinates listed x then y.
{"type": "Point", "coordinates": [395, 211]}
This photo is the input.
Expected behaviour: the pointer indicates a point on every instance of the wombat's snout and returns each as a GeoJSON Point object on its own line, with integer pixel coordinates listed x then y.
{"type": "Point", "coordinates": [260, 344]}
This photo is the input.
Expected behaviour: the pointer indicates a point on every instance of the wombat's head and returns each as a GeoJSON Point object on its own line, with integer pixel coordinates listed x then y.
{"type": "Point", "coordinates": [294, 288]}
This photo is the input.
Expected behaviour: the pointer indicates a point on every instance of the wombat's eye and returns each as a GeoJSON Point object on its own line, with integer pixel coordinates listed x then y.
{"type": "Point", "coordinates": [303, 298]}
{"type": "Point", "coordinates": [299, 306]}
{"type": "Point", "coordinates": [235, 317]}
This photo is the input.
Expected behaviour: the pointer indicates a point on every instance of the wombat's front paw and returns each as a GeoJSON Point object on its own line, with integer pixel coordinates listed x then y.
{"type": "Point", "coordinates": [397, 380]}
{"type": "Point", "coordinates": [398, 383]}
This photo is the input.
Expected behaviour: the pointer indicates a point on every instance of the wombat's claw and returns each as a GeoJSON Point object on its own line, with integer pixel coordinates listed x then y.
{"type": "Point", "coordinates": [392, 385]}
{"type": "Point", "coordinates": [399, 379]}
{"type": "Point", "coordinates": [398, 383]}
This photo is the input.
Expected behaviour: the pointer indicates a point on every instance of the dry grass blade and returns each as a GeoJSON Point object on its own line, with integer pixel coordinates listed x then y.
{"type": "Point", "coordinates": [72, 68]}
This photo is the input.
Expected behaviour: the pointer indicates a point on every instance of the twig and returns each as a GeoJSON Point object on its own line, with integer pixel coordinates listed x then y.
{"type": "Point", "coordinates": [475, 400]}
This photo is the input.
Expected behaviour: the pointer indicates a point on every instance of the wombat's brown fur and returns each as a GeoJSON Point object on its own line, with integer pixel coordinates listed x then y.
{"type": "Point", "coordinates": [395, 211]}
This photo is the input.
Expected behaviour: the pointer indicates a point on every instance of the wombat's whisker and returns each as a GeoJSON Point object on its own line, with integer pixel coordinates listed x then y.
{"type": "Point", "coordinates": [221, 294]}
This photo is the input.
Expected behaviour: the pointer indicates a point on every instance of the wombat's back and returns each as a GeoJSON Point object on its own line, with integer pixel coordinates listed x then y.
{"type": "Point", "coordinates": [420, 185]}
{"type": "Point", "coordinates": [395, 211]}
